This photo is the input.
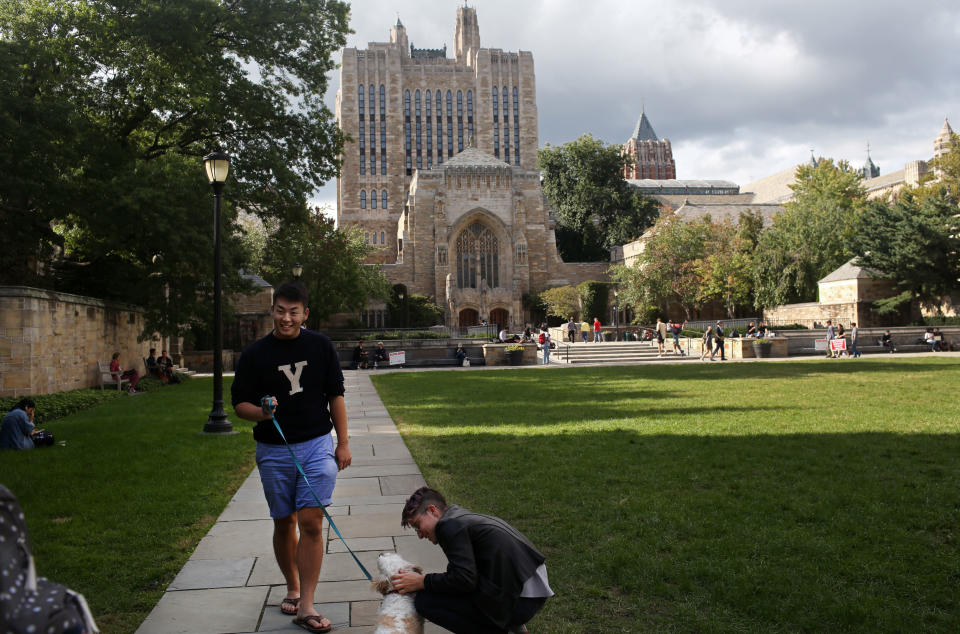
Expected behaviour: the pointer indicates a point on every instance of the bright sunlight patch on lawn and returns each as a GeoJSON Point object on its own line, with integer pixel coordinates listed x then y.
{"type": "Point", "coordinates": [744, 497]}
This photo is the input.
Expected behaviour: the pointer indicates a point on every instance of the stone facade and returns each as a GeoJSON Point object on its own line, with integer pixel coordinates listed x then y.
{"type": "Point", "coordinates": [476, 235]}
{"type": "Point", "coordinates": [51, 342]}
{"type": "Point", "coordinates": [409, 110]}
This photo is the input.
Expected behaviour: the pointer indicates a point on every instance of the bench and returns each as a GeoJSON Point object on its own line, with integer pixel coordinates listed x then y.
{"type": "Point", "coordinates": [110, 378]}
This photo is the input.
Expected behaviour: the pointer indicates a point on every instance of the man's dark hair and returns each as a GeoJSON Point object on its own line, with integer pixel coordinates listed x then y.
{"type": "Point", "coordinates": [153, 351]}
{"type": "Point", "coordinates": [24, 403]}
{"type": "Point", "coordinates": [293, 292]}
{"type": "Point", "coordinates": [418, 503]}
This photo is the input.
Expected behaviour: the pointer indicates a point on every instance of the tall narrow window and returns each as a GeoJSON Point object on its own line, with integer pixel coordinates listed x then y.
{"type": "Point", "coordinates": [449, 123]}
{"type": "Point", "coordinates": [374, 234]}
{"type": "Point", "coordinates": [506, 125]}
{"type": "Point", "coordinates": [373, 199]}
{"type": "Point", "coordinates": [406, 130]}
{"type": "Point", "coordinates": [459, 121]}
{"type": "Point", "coordinates": [439, 129]}
{"type": "Point", "coordinates": [383, 237]}
{"type": "Point", "coordinates": [383, 198]}
{"type": "Point", "coordinates": [371, 109]}
{"type": "Point", "coordinates": [496, 122]}
{"type": "Point", "coordinates": [362, 135]}
{"type": "Point", "coordinates": [469, 115]}
{"type": "Point", "coordinates": [429, 120]}
{"type": "Point", "coordinates": [419, 138]}
{"type": "Point", "coordinates": [516, 126]}
{"type": "Point", "coordinates": [383, 129]}
{"type": "Point", "coordinates": [363, 199]}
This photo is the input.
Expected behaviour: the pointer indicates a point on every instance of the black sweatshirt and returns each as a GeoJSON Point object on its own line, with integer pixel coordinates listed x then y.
{"type": "Point", "coordinates": [302, 373]}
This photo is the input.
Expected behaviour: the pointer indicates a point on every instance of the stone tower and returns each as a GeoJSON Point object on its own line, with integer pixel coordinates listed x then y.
{"type": "Point", "coordinates": [409, 109]}
{"type": "Point", "coordinates": [869, 169]}
{"type": "Point", "coordinates": [653, 157]}
{"type": "Point", "coordinates": [942, 143]}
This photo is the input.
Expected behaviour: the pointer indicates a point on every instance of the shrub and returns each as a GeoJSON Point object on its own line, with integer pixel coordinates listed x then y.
{"type": "Point", "coordinates": [53, 406]}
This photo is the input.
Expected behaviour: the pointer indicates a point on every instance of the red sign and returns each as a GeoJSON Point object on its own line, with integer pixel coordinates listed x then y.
{"type": "Point", "coordinates": [839, 344]}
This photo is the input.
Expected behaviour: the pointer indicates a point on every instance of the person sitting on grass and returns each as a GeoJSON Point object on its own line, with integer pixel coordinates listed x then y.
{"type": "Point", "coordinates": [17, 430]}
{"type": "Point", "coordinates": [496, 579]}
{"type": "Point", "coordinates": [120, 375]}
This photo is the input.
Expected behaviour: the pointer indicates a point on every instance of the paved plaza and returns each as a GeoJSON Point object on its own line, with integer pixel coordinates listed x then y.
{"type": "Point", "coordinates": [232, 583]}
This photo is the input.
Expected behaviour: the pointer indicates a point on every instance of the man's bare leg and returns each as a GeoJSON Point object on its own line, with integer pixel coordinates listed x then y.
{"type": "Point", "coordinates": [285, 550]}
{"type": "Point", "coordinates": [309, 558]}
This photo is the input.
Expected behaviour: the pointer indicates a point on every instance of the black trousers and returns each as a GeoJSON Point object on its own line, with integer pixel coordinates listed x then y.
{"type": "Point", "coordinates": [457, 613]}
{"type": "Point", "coordinates": [720, 348]}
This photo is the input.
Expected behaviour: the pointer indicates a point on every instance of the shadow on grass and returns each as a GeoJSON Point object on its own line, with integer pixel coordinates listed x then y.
{"type": "Point", "coordinates": [798, 532]}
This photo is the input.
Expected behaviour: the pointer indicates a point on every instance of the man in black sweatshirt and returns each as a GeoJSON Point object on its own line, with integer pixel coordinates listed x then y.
{"type": "Point", "coordinates": [300, 370]}
{"type": "Point", "coordinates": [496, 580]}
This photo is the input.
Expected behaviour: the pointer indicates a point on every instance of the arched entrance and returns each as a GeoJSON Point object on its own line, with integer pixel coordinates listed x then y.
{"type": "Point", "coordinates": [500, 317]}
{"type": "Point", "coordinates": [468, 317]}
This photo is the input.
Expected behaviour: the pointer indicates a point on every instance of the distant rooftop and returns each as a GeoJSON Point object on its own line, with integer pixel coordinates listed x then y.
{"type": "Point", "coordinates": [471, 156]}
{"type": "Point", "coordinates": [644, 131]}
{"type": "Point", "coordinates": [677, 186]}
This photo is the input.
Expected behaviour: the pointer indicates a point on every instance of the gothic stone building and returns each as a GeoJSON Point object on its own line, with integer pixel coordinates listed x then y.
{"type": "Point", "coordinates": [652, 157]}
{"type": "Point", "coordinates": [441, 175]}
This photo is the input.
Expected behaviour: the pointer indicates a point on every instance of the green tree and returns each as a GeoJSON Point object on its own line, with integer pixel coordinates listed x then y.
{"type": "Point", "coordinates": [562, 301]}
{"type": "Point", "coordinates": [596, 208]}
{"type": "Point", "coordinates": [811, 238]}
{"type": "Point", "coordinates": [106, 108]}
{"type": "Point", "coordinates": [915, 243]}
{"type": "Point", "coordinates": [727, 268]}
{"type": "Point", "coordinates": [333, 265]}
{"type": "Point", "coordinates": [413, 311]}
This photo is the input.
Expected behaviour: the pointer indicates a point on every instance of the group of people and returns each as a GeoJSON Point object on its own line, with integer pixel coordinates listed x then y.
{"type": "Point", "coordinates": [662, 330]}
{"type": "Point", "coordinates": [162, 366]}
{"type": "Point", "coordinates": [934, 338]}
{"type": "Point", "coordinates": [712, 342]}
{"type": "Point", "coordinates": [495, 580]}
{"type": "Point", "coordinates": [584, 328]}
{"type": "Point", "coordinates": [836, 351]}
{"type": "Point", "coordinates": [361, 356]}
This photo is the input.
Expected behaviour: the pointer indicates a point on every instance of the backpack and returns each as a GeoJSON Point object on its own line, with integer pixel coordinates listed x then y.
{"type": "Point", "coordinates": [543, 338]}
{"type": "Point", "coordinates": [28, 603]}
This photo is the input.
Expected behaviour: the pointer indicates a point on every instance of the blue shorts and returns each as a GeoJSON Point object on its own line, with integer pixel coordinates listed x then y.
{"type": "Point", "coordinates": [284, 487]}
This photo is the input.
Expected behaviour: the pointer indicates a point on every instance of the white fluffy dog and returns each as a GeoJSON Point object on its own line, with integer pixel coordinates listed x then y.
{"type": "Point", "coordinates": [397, 614]}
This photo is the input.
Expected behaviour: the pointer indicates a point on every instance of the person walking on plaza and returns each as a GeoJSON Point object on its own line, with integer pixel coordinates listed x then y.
{"type": "Point", "coordinates": [676, 328]}
{"type": "Point", "coordinates": [572, 330]}
{"type": "Point", "coordinates": [719, 336]}
{"type": "Point", "coordinates": [17, 430]}
{"type": "Point", "coordinates": [300, 370]}
{"type": "Point", "coordinates": [585, 330]}
{"type": "Point", "coordinates": [597, 330]}
{"type": "Point", "coordinates": [707, 343]}
{"type": "Point", "coordinates": [661, 330]}
{"type": "Point", "coordinates": [853, 340]}
{"type": "Point", "coordinates": [496, 579]}
{"type": "Point", "coordinates": [831, 335]}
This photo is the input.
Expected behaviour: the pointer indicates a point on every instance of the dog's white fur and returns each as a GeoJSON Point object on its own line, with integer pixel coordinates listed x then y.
{"type": "Point", "coordinates": [397, 614]}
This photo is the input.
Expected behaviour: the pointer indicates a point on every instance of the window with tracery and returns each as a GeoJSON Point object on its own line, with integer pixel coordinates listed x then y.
{"type": "Point", "coordinates": [478, 257]}
{"type": "Point", "coordinates": [521, 253]}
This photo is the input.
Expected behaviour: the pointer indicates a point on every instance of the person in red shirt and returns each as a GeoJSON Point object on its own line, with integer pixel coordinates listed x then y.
{"type": "Point", "coordinates": [597, 330]}
{"type": "Point", "coordinates": [119, 374]}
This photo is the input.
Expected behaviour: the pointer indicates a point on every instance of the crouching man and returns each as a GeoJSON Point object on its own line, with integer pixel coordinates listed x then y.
{"type": "Point", "coordinates": [496, 580]}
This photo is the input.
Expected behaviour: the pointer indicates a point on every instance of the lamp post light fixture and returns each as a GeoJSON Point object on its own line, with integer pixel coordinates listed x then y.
{"type": "Point", "coordinates": [297, 271]}
{"type": "Point", "coordinates": [218, 166]}
{"type": "Point", "coordinates": [616, 310]}
{"type": "Point", "coordinates": [403, 307]}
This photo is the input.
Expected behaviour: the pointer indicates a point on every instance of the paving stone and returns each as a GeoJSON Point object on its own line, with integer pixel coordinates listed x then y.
{"type": "Point", "coordinates": [375, 544]}
{"type": "Point", "coordinates": [371, 499]}
{"type": "Point", "coordinates": [401, 485]}
{"type": "Point", "coordinates": [421, 551]}
{"type": "Point", "coordinates": [365, 509]}
{"type": "Point", "coordinates": [353, 487]}
{"type": "Point", "coordinates": [364, 612]}
{"type": "Point", "coordinates": [276, 621]}
{"type": "Point", "coordinates": [371, 461]}
{"type": "Point", "coordinates": [246, 510]}
{"type": "Point", "coordinates": [331, 592]}
{"type": "Point", "coordinates": [381, 470]}
{"type": "Point", "coordinates": [228, 540]}
{"type": "Point", "coordinates": [189, 611]}
{"type": "Point", "coordinates": [382, 524]}
{"type": "Point", "coordinates": [213, 573]}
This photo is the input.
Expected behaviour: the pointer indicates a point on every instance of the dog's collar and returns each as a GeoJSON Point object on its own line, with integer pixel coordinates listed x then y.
{"type": "Point", "coordinates": [394, 591]}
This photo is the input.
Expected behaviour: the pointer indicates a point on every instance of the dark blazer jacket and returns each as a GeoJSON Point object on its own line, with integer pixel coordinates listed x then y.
{"type": "Point", "coordinates": [488, 559]}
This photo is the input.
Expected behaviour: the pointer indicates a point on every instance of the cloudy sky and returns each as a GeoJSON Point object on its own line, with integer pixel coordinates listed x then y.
{"type": "Point", "coordinates": [742, 88]}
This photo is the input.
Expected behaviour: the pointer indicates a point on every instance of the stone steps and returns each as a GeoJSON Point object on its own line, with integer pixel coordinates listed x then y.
{"type": "Point", "coordinates": [614, 353]}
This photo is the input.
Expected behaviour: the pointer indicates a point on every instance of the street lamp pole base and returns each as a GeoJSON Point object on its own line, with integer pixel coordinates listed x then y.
{"type": "Point", "coordinates": [217, 423]}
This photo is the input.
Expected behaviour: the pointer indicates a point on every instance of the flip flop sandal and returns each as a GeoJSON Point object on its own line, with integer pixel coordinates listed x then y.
{"type": "Point", "coordinates": [294, 603]}
{"type": "Point", "coordinates": [304, 622]}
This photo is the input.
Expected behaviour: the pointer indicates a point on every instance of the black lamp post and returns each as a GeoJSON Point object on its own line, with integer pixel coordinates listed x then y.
{"type": "Point", "coordinates": [403, 307]}
{"type": "Point", "coordinates": [616, 310]}
{"type": "Point", "coordinates": [218, 166]}
{"type": "Point", "coordinates": [297, 271]}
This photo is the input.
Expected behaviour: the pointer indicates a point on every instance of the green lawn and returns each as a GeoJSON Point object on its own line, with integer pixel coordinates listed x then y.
{"type": "Point", "coordinates": [774, 497]}
{"type": "Point", "coordinates": [116, 512]}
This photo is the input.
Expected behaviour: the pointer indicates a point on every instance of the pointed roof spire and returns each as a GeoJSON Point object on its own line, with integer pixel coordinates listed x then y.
{"type": "Point", "coordinates": [946, 129]}
{"type": "Point", "coordinates": [399, 23]}
{"type": "Point", "coordinates": [813, 160]}
{"type": "Point", "coordinates": [644, 131]}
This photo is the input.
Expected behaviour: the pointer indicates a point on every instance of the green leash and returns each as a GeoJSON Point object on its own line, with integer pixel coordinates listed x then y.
{"type": "Point", "coordinates": [265, 402]}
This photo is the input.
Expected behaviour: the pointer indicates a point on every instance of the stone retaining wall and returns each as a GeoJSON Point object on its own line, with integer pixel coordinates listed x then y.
{"type": "Point", "coordinates": [51, 342]}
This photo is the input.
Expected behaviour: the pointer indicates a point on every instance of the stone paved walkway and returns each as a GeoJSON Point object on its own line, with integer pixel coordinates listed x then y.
{"type": "Point", "coordinates": [232, 583]}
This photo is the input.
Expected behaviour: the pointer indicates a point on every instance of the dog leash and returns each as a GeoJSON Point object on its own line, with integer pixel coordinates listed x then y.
{"type": "Point", "coordinates": [265, 402]}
